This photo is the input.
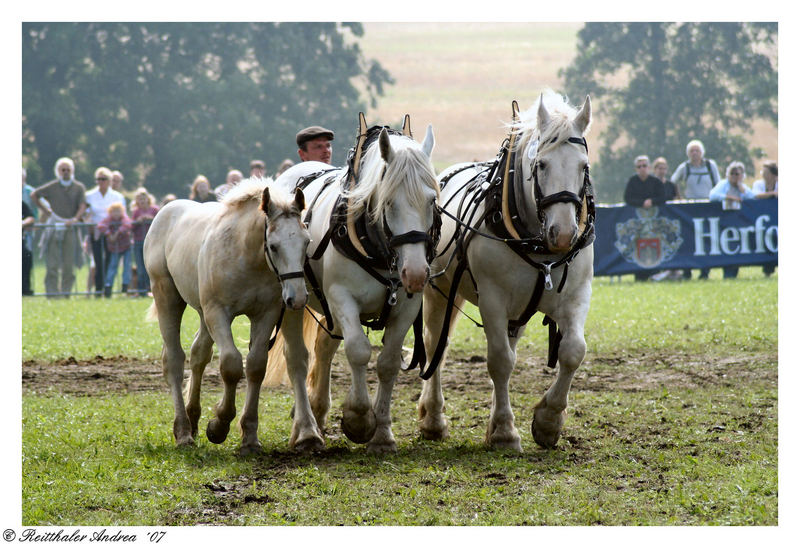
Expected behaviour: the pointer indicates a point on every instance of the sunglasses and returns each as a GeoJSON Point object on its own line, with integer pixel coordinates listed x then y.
{"type": "Point", "coordinates": [642, 165]}
{"type": "Point", "coordinates": [101, 179]}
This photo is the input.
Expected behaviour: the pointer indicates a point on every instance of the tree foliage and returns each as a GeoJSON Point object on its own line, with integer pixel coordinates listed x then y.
{"type": "Point", "coordinates": [163, 102]}
{"type": "Point", "coordinates": [662, 84]}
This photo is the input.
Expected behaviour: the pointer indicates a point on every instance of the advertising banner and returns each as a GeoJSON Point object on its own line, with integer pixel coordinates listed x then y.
{"type": "Point", "coordinates": [684, 235]}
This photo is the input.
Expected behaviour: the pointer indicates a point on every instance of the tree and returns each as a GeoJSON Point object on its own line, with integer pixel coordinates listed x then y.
{"type": "Point", "coordinates": [662, 84]}
{"type": "Point", "coordinates": [163, 102]}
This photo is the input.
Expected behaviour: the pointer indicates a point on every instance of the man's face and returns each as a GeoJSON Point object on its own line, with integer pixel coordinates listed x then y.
{"type": "Point", "coordinates": [65, 171]}
{"type": "Point", "coordinates": [768, 176]}
{"type": "Point", "coordinates": [660, 171]}
{"type": "Point", "coordinates": [319, 150]}
{"type": "Point", "coordinates": [695, 154]}
{"type": "Point", "coordinates": [642, 167]}
{"type": "Point", "coordinates": [116, 182]}
{"type": "Point", "coordinates": [256, 171]}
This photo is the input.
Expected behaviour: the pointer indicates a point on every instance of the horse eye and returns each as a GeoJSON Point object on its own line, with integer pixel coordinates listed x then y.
{"type": "Point", "coordinates": [273, 248]}
{"type": "Point", "coordinates": [542, 165]}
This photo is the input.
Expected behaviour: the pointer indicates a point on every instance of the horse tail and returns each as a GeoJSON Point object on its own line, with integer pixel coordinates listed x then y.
{"type": "Point", "coordinates": [152, 313]}
{"type": "Point", "coordinates": [276, 362]}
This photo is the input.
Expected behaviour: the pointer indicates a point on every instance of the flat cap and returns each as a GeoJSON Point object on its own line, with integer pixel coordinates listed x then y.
{"type": "Point", "coordinates": [312, 132]}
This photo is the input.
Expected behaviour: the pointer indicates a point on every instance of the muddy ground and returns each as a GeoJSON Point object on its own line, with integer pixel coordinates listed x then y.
{"type": "Point", "coordinates": [624, 371]}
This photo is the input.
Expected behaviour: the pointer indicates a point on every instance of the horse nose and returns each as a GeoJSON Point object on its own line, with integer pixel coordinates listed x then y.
{"type": "Point", "coordinates": [414, 280]}
{"type": "Point", "coordinates": [560, 240]}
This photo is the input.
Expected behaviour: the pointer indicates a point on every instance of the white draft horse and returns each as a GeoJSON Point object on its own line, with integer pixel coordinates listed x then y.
{"type": "Point", "coordinates": [396, 193]}
{"type": "Point", "coordinates": [243, 256]}
{"type": "Point", "coordinates": [539, 198]}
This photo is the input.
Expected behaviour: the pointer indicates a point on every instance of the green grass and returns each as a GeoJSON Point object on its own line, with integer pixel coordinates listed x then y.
{"type": "Point", "coordinates": [672, 421]}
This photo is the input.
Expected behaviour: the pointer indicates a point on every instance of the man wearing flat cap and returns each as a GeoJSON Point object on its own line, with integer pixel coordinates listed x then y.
{"type": "Point", "coordinates": [315, 144]}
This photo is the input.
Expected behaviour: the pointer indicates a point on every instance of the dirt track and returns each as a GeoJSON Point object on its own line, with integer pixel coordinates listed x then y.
{"type": "Point", "coordinates": [620, 371]}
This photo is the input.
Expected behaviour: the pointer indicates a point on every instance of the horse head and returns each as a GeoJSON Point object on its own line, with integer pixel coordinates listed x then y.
{"type": "Point", "coordinates": [554, 161]}
{"type": "Point", "coordinates": [285, 241]}
{"type": "Point", "coordinates": [409, 205]}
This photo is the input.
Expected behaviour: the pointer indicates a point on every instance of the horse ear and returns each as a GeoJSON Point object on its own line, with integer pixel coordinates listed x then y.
{"type": "Point", "coordinates": [542, 116]}
{"type": "Point", "coordinates": [427, 144]}
{"type": "Point", "coordinates": [584, 117]}
{"type": "Point", "coordinates": [265, 200]}
{"type": "Point", "coordinates": [299, 200]}
{"type": "Point", "coordinates": [386, 147]}
{"type": "Point", "coordinates": [407, 126]}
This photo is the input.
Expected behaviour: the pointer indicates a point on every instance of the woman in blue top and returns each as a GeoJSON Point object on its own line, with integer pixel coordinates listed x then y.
{"type": "Point", "coordinates": [731, 191]}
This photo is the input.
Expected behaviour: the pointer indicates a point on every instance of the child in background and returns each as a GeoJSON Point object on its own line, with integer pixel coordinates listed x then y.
{"type": "Point", "coordinates": [117, 228]}
{"type": "Point", "coordinates": [143, 211]}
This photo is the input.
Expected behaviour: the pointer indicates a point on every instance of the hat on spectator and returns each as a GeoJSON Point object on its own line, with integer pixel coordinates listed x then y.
{"type": "Point", "coordinates": [309, 133]}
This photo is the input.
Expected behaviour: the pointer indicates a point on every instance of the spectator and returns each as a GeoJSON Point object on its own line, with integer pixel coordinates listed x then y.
{"type": "Point", "coordinates": [285, 164]}
{"type": "Point", "coordinates": [671, 190]}
{"type": "Point", "coordinates": [98, 200]}
{"type": "Point", "coordinates": [201, 190]}
{"type": "Point", "coordinates": [314, 144]}
{"type": "Point", "coordinates": [66, 203]}
{"type": "Point", "coordinates": [117, 228]}
{"type": "Point", "coordinates": [257, 169]}
{"type": "Point", "coordinates": [731, 191]}
{"type": "Point", "coordinates": [27, 190]}
{"type": "Point", "coordinates": [27, 252]}
{"type": "Point", "coordinates": [232, 179]}
{"type": "Point", "coordinates": [767, 187]}
{"type": "Point", "coordinates": [643, 190]}
{"type": "Point", "coordinates": [26, 197]}
{"type": "Point", "coordinates": [116, 183]}
{"type": "Point", "coordinates": [167, 199]}
{"type": "Point", "coordinates": [700, 175]}
{"type": "Point", "coordinates": [144, 210]}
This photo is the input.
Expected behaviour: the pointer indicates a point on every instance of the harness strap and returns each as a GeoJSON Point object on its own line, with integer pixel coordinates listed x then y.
{"type": "Point", "coordinates": [554, 341]}
{"type": "Point", "coordinates": [277, 329]}
{"type": "Point", "coordinates": [533, 304]}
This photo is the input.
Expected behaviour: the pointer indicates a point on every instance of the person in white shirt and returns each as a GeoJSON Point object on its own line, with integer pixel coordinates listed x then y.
{"type": "Point", "coordinates": [97, 200]}
{"type": "Point", "coordinates": [768, 186]}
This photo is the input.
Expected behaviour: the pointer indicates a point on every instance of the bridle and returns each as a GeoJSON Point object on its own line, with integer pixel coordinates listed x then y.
{"type": "Point", "coordinates": [281, 277]}
{"type": "Point", "coordinates": [564, 196]}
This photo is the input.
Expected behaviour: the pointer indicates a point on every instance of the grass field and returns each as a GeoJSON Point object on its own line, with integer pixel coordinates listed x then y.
{"type": "Point", "coordinates": [672, 421]}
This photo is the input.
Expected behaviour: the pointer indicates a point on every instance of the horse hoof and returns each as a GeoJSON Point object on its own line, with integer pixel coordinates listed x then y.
{"type": "Point", "coordinates": [309, 445]}
{"type": "Point", "coordinates": [247, 450]}
{"type": "Point", "coordinates": [506, 444]}
{"type": "Point", "coordinates": [185, 441]}
{"type": "Point", "coordinates": [217, 431]}
{"type": "Point", "coordinates": [382, 448]}
{"type": "Point", "coordinates": [359, 428]}
{"type": "Point", "coordinates": [546, 438]}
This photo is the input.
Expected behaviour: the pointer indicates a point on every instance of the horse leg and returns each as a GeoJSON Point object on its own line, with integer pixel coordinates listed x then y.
{"type": "Point", "coordinates": [255, 368]}
{"type": "Point", "coordinates": [306, 436]}
{"type": "Point", "coordinates": [230, 367]}
{"type": "Point", "coordinates": [358, 417]}
{"type": "Point", "coordinates": [170, 308]}
{"type": "Point", "coordinates": [432, 422]}
{"type": "Point", "coordinates": [501, 432]}
{"type": "Point", "coordinates": [199, 357]}
{"type": "Point", "coordinates": [319, 382]}
{"type": "Point", "coordinates": [389, 361]}
{"type": "Point", "coordinates": [549, 414]}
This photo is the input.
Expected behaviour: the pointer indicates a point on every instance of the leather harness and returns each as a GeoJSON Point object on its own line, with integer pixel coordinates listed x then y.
{"type": "Point", "coordinates": [370, 245]}
{"type": "Point", "coordinates": [496, 185]}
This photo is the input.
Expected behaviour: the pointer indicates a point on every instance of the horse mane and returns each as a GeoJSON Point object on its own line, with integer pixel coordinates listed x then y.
{"type": "Point", "coordinates": [560, 128]}
{"type": "Point", "coordinates": [411, 170]}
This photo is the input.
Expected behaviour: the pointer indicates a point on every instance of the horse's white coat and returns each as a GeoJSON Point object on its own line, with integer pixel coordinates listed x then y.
{"type": "Point", "coordinates": [505, 282]}
{"type": "Point", "coordinates": [211, 256]}
{"type": "Point", "coordinates": [397, 182]}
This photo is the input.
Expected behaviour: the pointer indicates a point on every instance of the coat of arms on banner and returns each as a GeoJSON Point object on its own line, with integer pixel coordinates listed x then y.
{"type": "Point", "coordinates": [648, 240]}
